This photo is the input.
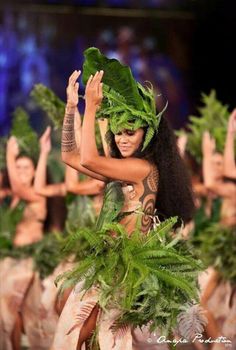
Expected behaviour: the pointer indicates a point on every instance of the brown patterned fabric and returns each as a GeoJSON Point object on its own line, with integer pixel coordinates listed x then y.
{"type": "Point", "coordinates": [15, 279]}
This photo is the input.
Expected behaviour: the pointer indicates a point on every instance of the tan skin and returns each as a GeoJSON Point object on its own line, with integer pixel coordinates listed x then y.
{"type": "Point", "coordinates": [40, 185]}
{"type": "Point", "coordinates": [138, 173]}
{"type": "Point", "coordinates": [229, 156]}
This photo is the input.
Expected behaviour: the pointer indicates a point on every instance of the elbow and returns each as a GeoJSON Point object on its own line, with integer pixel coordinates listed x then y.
{"type": "Point", "coordinates": [100, 186]}
{"type": "Point", "coordinates": [70, 187]}
{"type": "Point", "coordinates": [37, 189]}
{"type": "Point", "coordinates": [65, 158]}
{"type": "Point", "coordinates": [229, 171]}
{"type": "Point", "coordinates": [86, 162]}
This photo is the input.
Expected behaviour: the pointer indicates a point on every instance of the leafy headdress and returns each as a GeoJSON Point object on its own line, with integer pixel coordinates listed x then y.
{"type": "Point", "coordinates": [126, 104]}
{"type": "Point", "coordinates": [50, 103]}
{"type": "Point", "coordinates": [213, 116]}
{"type": "Point", "coordinates": [26, 136]}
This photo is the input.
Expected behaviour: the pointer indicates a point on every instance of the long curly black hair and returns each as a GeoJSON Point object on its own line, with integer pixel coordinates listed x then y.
{"type": "Point", "coordinates": [175, 196]}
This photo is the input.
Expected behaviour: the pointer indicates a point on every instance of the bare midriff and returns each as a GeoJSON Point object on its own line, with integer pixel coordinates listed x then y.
{"type": "Point", "coordinates": [140, 203]}
{"type": "Point", "coordinates": [30, 229]}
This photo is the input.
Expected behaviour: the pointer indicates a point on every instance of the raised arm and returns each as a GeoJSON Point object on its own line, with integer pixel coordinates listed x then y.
{"type": "Point", "coordinates": [126, 169]}
{"type": "Point", "coordinates": [208, 149]}
{"type": "Point", "coordinates": [85, 187]}
{"type": "Point", "coordinates": [40, 181]}
{"type": "Point", "coordinates": [18, 188]}
{"type": "Point", "coordinates": [182, 142]}
{"type": "Point", "coordinates": [69, 152]}
{"type": "Point", "coordinates": [229, 156]}
{"type": "Point", "coordinates": [220, 188]}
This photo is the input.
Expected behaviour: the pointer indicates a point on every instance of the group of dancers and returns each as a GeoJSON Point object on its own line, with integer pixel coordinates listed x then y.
{"type": "Point", "coordinates": [141, 156]}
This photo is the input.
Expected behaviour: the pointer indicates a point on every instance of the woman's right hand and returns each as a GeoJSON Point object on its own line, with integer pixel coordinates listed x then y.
{"type": "Point", "coordinates": [45, 141]}
{"type": "Point", "coordinates": [73, 89]}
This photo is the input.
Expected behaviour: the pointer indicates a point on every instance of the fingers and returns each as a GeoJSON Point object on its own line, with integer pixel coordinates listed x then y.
{"type": "Point", "coordinates": [12, 142]}
{"type": "Point", "coordinates": [48, 130]}
{"type": "Point", "coordinates": [74, 76]}
{"type": "Point", "coordinates": [95, 80]}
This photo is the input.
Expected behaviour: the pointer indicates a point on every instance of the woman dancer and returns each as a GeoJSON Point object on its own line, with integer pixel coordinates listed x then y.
{"type": "Point", "coordinates": [19, 273]}
{"type": "Point", "coordinates": [146, 178]}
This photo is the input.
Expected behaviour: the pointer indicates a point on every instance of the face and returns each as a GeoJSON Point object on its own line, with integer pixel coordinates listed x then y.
{"type": "Point", "coordinates": [128, 141]}
{"type": "Point", "coordinates": [217, 165]}
{"type": "Point", "coordinates": [25, 170]}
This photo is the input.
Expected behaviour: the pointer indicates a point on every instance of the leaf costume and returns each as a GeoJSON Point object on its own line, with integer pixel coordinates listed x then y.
{"type": "Point", "coordinates": [138, 280]}
{"type": "Point", "coordinates": [126, 103]}
{"type": "Point", "coordinates": [215, 243]}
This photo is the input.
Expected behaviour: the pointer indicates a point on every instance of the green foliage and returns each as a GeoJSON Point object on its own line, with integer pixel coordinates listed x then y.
{"type": "Point", "coordinates": [26, 136]}
{"type": "Point", "coordinates": [214, 243]}
{"type": "Point", "coordinates": [213, 116]}
{"type": "Point", "coordinates": [80, 213]}
{"type": "Point", "coordinates": [45, 253]}
{"type": "Point", "coordinates": [127, 104]}
{"type": "Point", "coordinates": [147, 277]}
{"type": "Point", "coordinates": [117, 76]}
{"type": "Point", "coordinates": [217, 247]}
{"type": "Point", "coordinates": [9, 220]}
{"type": "Point", "coordinates": [113, 200]}
{"type": "Point", "coordinates": [3, 142]}
{"type": "Point", "coordinates": [202, 221]}
{"type": "Point", "coordinates": [50, 103]}
{"type": "Point", "coordinates": [56, 167]}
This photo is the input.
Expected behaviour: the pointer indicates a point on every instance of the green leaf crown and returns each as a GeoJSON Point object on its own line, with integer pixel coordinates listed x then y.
{"type": "Point", "coordinates": [27, 138]}
{"type": "Point", "coordinates": [127, 104]}
{"type": "Point", "coordinates": [213, 116]}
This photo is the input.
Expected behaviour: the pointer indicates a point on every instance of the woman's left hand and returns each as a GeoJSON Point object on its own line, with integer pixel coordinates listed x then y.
{"type": "Point", "coordinates": [45, 141]}
{"type": "Point", "coordinates": [93, 91]}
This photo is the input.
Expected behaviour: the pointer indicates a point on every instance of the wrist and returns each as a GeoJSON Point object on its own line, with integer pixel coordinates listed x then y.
{"type": "Point", "coordinates": [44, 153]}
{"type": "Point", "coordinates": [91, 108]}
{"type": "Point", "coordinates": [70, 108]}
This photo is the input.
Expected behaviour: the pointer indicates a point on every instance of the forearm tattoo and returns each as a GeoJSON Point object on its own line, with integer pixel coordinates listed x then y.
{"type": "Point", "coordinates": [68, 143]}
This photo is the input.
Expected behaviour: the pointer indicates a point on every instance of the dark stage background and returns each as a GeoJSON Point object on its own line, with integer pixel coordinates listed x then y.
{"type": "Point", "coordinates": [182, 47]}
